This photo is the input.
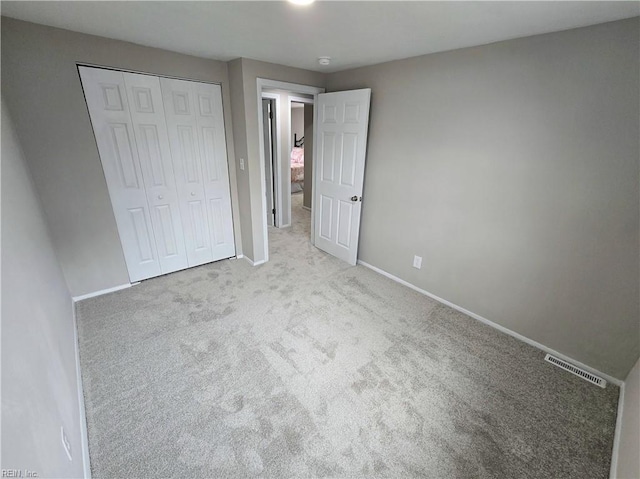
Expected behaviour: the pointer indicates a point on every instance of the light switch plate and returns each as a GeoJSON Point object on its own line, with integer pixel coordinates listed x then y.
{"type": "Point", "coordinates": [417, 262]}
{"type": "Point", "coordinates": [242, 163]}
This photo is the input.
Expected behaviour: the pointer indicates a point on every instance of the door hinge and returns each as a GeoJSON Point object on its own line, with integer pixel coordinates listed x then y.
{"type": "Point", "coordinates": [273, 211]}
{"type": "Point", "coordinates": [270, 115]}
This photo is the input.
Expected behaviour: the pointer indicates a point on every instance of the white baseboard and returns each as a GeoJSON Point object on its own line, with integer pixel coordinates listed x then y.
{"type": "Point", "coordinates": [101, 292]}
{"type": "Point", "coordinates": [613, 473]}
{"type": "Point", "coordinates": [84, 436]}
{"type": "Point", "coordinates": [497, 326]}
{"type": "Point", "coordinates": [254, 263]}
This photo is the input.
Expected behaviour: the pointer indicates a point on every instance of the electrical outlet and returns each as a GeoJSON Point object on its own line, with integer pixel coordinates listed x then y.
{"type": "Point", "coordinates": [242, 163]}
{"type": "Point", "coordinates": [65, 443]}
{"type": "Point", "coordinates": [417, 262]}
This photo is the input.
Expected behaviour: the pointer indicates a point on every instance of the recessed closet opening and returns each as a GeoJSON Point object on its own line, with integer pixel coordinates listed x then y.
{"type": "Point", "coordinates": [163, 151]}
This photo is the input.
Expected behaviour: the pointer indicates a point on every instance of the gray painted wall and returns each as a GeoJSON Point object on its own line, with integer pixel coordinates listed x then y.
{"type": "Point", "coordinates": [236, 84]}
{"type": "Point", "coordinates": [513, 169]}
{"type": "Point", "coordinates": [42, 89]}
{"type": "Point", "coordinates": [245, 117]}
{"type": "Point", "coordinates": [39, 383]}
{"type": "Point", "coordinates": [297, 122]}
{"type": "Point", "coordinates": [628, 459]}
{"type": "Point", "coordinates": [308, 155]}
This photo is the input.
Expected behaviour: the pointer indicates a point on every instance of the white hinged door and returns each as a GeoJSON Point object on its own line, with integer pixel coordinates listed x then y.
{"type": "Point", "coordinates": [340, 152]}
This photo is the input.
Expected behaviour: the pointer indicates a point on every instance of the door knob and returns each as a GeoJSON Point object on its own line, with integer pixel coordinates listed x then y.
{"type": "Point", "coordinates": [193, 193]}
{"type": "Point", "coordinates": [354, 198]}
{"type": "Point", "coordinates": [159, 197]}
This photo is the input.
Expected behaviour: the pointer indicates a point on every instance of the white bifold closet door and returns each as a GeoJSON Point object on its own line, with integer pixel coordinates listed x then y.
{"type": "Point", "coordinates": [196, 134]}
{"type": "Point", "coordinates": [165, 223]}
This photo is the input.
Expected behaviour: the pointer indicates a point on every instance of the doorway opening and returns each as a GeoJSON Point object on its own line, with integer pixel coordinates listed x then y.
{"type": "Point", "coordinates": [341, 122]}
{"type": "Point", "coordinates": [301, 156]}
{"type": "Point", "coordinates": [297, 150]}
{"type": "Point", "coordinates": [287, 126]}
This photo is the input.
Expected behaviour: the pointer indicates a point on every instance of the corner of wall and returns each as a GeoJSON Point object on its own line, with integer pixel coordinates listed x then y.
{"type": "Point", "coordinates": [625, 462]}
{"type": "Point", "coordinates": [238, 122]}
{"type": "Point", "coordinates": [84, 434]}
{"type": "Point", "coordinates": [39, 393]}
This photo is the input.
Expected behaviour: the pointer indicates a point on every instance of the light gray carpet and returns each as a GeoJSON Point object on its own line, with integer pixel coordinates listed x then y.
{"type": "Point", "coordinates": [306, 367]}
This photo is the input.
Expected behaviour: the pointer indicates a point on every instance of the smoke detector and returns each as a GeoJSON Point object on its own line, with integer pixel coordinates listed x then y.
{"type": "Point", "coordinates": [324, 61]}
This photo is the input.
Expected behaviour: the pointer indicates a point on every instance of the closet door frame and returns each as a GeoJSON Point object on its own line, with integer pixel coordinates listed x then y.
{"type": "Point", "coordinates": [134, 278]}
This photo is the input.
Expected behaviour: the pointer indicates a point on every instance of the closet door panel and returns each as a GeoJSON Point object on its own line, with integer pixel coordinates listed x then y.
{"type": "Point", "coordinates": [182, 126]}
{"type": "Point", "coordinates": [149, 124]}
{"type": "Point", "coordinates": [198, 218]}
{"type": "Point", "coordinates": [106, 97]}
{"type": "Point", "coordinates": [213, 153]}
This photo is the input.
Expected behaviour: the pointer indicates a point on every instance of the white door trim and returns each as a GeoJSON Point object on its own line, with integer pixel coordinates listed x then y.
{"type": "Point", "coordinates": [299, 99]}
{"type": "Point", "coordinates": [262, 83]}
{"type": "Point", "coordinates": [277, 157]}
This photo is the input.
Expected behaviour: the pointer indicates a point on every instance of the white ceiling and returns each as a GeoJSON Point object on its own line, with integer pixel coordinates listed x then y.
{"type": "Point", "coordinates": [352, 33]}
